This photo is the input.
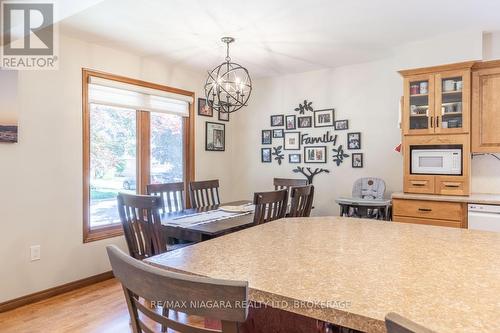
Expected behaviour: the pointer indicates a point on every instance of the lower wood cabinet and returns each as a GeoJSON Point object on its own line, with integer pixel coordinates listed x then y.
{"type": "Point", "coordinates": [440, 213]}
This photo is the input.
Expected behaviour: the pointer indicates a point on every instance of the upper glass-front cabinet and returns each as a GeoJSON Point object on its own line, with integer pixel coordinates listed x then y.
{"type": "Point", "coordinates": [419, 105]}
{"type": "Point", "coordinates": [437, 103]}
{"type": "Point", "coordinates": [452, 102]}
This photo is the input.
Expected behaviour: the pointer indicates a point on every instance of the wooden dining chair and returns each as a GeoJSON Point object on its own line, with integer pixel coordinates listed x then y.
{"type": "Point", "coordinates": [204, 193]}
{"type": "Point", "coordinates": [399, 324]}
{"type": "Point", "coordinates": [301, 201]}
{"type": "Point", "coordinates": [172, 195]}
{"type": "Point", "coordinates": [286, 183]}
{"type": "Point", "coordinates": [270, 206]}
{"type": "Point", "coordinates": [140, 217]}
{"type": "Point", "coordinates": [178, 292]}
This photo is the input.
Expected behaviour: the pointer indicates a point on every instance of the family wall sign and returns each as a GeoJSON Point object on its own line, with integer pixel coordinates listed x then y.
{"type": "Point", "coordinates": [298, 135]}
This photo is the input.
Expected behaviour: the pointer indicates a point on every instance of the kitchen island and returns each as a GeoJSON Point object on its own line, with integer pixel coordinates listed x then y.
{"type": "Point", "coordinates": [352, 272]}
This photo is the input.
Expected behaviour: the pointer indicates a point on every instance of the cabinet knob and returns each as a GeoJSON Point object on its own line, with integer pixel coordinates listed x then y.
{"type": "Point", "coordinates": [425, 210]}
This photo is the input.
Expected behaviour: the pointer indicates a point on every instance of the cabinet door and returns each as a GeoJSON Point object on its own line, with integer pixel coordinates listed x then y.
{"type": "Point", "coordinates": [418, 109]}
{"type": "Point", "coordinates": [452, 94]}
{"type": "Point", "coordinates": [485, 129]}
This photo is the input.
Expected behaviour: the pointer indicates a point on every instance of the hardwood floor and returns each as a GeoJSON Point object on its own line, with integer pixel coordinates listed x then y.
{"type": "Point", "coordinates": [98, 308]}
{"type": "Point", "coordinates": [101, 308]}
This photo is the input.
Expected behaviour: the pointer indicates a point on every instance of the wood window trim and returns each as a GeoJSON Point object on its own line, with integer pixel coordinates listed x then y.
{"type": "Point", "coordinates": [90, 235]}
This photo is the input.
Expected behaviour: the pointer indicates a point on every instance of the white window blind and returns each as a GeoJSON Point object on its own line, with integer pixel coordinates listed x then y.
{"type": "Point", "coordinates": [114, 93]}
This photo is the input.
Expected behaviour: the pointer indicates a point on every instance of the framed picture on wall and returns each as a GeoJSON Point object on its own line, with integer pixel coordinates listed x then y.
{"type": "Point", "coordinates": [294, 158]}
{"type": "Point", "coordinates": [341, 125]}
{"type": "Point", "coordinates": [215, 136]}
{"type": "Point", "coordinates": [290, 122]}
{"type": "Point", "coordinates": [305, 122]}
{"type": "Point", "coordinates": [278, 133]}
{"type": "Point", "coordinates": [223, 116]}
{"type": "Point", "coordinates": [277, 120]}
{"type": "Point", "coordinates": [315, 154]}
{"type": "Point", "coordinates": [357, 160]}
{"type": "Point", "coordinates": [354, 140]}
{"type": "Point", "coordinates": [265, 155]}
{"type": "Point", "coordinates": [204, 109]}
{"type": "Point", "coordinates": [292, 141]}
{"type": "Point", "coordinates": [323, 118]}
{"type": "Point", "coordinates": [266, 137]}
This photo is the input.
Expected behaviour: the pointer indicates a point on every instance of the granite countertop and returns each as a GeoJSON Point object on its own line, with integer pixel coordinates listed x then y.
{"type": "Point", "coordinates": [477, 198]}
{"type": "Point", "coordinates": [359, 270]}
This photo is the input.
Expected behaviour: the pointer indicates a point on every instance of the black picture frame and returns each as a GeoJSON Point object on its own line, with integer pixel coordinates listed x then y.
{"type": "Point", "coordinates": [318, 120]}
{"type": "Point", "coordinates": [357, 160]}
{"type": "Point", "coordinates": [218, 132]}
{"type": "Point", "coordinates": [306, 151]}
{"type": "Point", "coordinates": [277, 135]}
{"type": "Point", "coordinates": [293, 122]}
{"type": "Point", "coordinates": [223, 116]}
{"type": "Point", "coordinates": [297, 160]}
{"type": "Point", "coordinates": [286, 143]}
{"type": "Point", "coordinates": [265, 155]}
{"type": "Point", "coordinates": [202, 104]}
{"type": "Point", "coordinates": [341, 125]}
{"type": "Point", "coordinates": [304, 122]}
{"type": "Point", "coordinates": [354, 140]}
{"type": "Point", "coordinates": [266, 137]}
{"type": "Point", "coordinates": [277, 120]}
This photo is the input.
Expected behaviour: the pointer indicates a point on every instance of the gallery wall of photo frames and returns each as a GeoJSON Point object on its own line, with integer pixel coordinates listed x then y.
{"type": "Point", "coordinates": [215, 133]}
{"type": "Point", "coordinates": [293, 135]}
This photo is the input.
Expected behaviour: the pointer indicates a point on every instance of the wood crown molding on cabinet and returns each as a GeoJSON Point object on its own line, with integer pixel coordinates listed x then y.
{"type": "Point", "coordinates": [440, 68]}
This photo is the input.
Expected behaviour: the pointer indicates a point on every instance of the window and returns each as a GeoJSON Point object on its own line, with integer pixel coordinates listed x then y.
{"type": "Point", "coordinates": [135, 133]}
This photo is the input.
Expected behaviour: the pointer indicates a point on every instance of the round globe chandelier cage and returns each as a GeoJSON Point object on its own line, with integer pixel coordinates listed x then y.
{"type": "Point", "coordinates": [228, 86]}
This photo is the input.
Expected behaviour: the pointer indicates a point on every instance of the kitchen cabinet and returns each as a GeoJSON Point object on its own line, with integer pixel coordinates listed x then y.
{"type": "Point", "coordinates": [485, 132]}
{"type": "Point", "coordinates": [437, 184]}
{"type": "Point", "coordinates": [437, 100]}
{"type": "Point", "coordinates": [439, 213]}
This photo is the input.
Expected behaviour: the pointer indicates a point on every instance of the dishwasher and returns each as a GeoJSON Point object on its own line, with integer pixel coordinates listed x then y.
{"type": "Point", "coordinates": [484, 217]}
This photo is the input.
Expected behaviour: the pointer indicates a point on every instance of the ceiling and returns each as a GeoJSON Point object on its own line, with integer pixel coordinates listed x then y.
{"type": "Point", "coordinates": [274, 37]}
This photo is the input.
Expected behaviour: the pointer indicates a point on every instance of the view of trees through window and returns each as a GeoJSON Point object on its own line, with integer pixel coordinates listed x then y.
{"type": "Point", "coordinates": [113, 157]}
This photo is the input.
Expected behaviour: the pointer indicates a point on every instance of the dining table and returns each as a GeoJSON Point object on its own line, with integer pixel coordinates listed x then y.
{"type": "Point", "coordinates": [200, 224]}
{"type": "Point", "coordinates": [352, 272]}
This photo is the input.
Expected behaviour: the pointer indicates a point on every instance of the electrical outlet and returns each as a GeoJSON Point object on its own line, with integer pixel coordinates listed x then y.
{"type": "Point", "coordinates": [35, 252]}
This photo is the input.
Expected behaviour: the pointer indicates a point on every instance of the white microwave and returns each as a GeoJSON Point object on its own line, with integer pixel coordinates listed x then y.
{"type": "Point", "coordinates": [436, 160]}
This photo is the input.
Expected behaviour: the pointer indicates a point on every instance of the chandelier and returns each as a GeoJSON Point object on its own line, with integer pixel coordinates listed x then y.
{"type": "Point", "coordinates": [228, 85]}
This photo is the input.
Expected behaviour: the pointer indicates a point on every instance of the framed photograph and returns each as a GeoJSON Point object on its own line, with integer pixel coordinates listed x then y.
{"type": "Point", "coordinates": [341, 125]}
{"type": "Point", "coordinates": [265, 155]}
{"type": "Point", "coordinates": [354, 140]}
{"type": "Point", "coordinates": [277, 120]}
{"type": "Point", "coordinates": [290, 122]}
{"type": "Point", "coordinates": [323, 118]}
{"type": "Point", "coordinates": [292, 141]}
{"type": "Point", "coordinates": [305, 122]}
{"type": "Point", "coordinates": [267, 137]}
{"type": "Point", "coordinates": [357, 160]}
{"type": "Point", "coordinates": [315, 154]}
{"type": "Point", "coordinates": [278, 133]}
{"type": "Point", "coordinates": [204, 109]}
{"type": "Point", "coordinates": [223, 116]}
{"type": "Point", "coordinates": [294, 158]}
{"type": "Point", "coordinates": [215, 136]}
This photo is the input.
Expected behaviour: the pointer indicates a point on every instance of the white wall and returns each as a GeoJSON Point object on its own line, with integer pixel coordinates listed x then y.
{"type": "Point", "coordinates": [41, 176]}
{"type": "Point", "coordinates": [368, 96]}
